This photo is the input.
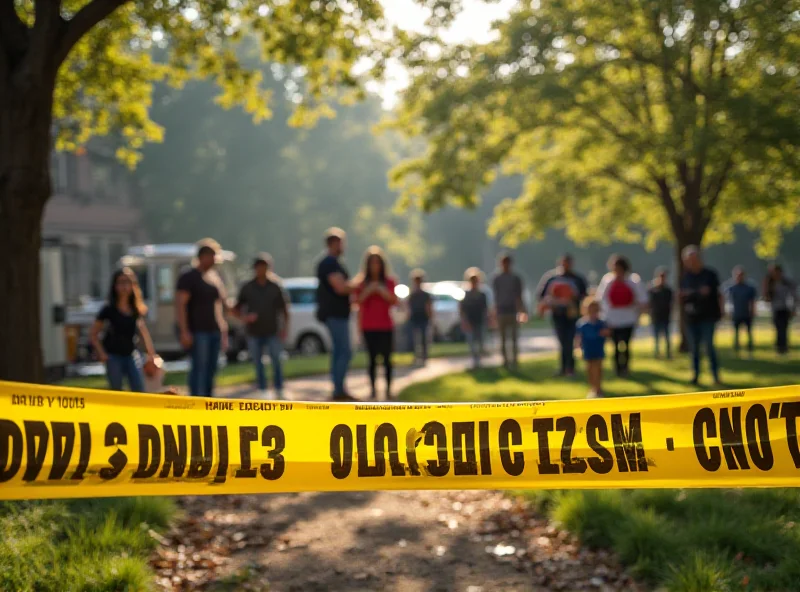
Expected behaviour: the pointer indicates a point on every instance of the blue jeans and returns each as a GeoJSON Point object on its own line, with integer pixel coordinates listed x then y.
{"type": "Point", "coordinates": [341, 352]}
{"type": "Point", "coordinates": [701, 335]}
{"type": "Point", "coordinates": [119, 368]}
{"type": "Point", "coordinates": [475, 335]}
{"type": "Point", "coordinates": [271, 345]}
{"type": "Point", "coordinates": [205, 355]}
{"type": "Point", "coordinates": [565, 333]}
{"type": "Point", "coordinates": [661, 328]}
{"type": "Point", "coordinates": [415, 329]}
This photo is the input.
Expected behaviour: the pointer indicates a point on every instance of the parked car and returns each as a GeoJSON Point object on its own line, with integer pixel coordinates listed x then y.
{"type": "Point", "coordinates": [307, 336]}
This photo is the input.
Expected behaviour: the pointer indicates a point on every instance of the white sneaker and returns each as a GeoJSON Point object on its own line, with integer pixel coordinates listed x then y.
{"type": "Point", "coordinates": [263, 394]}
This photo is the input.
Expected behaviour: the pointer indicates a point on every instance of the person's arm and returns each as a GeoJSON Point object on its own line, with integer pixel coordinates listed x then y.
{"type": "Point", "coordinates": [429, 308]}
{"type": "Point", "coordinates": [386, 291]}
{"type": "Point", "coordinates": [339, 284]}
{"type": "Point", "coordinates": [219, 313]}
{"type": "Point", "coordinates": [284, 303]}
{"type": "Point", "coordinates": [541, 293]}
{"type": "Point", "coordinates": [752, 303]}
{"type": "Point", "coordinates": [464, 321]}
{"type": "Point", "coordinates": [94, 338]}
{"type": "Point", "coordinates": [362, 292]}
{"type": "Point", "coordinates": [541, 288]}
{"type": "Point", "coordinates": [578, 338]}
{"type": "Point", "coordinates": [643, 297]}
{"type": "Point", "coordinates": [145, 335]}
{"type": "Point", "coordinates": [600, 293]}
{"type": "Point", "coordinates": [181, 303]}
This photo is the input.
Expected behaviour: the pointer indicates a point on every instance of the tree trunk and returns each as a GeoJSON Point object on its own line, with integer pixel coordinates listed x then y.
{"type": "Point", "coordinates": [20, 239]}
{"type": "Point", "coordinates": [25, 143]}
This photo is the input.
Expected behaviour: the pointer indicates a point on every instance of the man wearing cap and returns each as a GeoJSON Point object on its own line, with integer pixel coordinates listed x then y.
{"type": "Point", "coordinates": [333, 309]}
{"type": "Point", "coordinates": [200, 311]}
{"type": "Point", "coordinates": [263, 306]}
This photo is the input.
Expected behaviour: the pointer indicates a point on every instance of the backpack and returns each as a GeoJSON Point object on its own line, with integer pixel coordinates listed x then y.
{"type": "Point", "coordinates": [620, 294]}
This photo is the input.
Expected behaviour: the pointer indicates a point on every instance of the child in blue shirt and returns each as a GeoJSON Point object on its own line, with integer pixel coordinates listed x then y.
{"type": "Point", "coordinates": [591, 338]}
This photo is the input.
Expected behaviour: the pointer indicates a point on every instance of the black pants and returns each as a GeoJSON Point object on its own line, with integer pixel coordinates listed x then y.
{"type": "Point", "coordinates": [621, 336]}
{"type": "Point", "coordinates": [565, 333]}
{"type": "Point", "coordinates": [379, 343]}
{"type": "Point", "coordinates": [748, 325]}
{"type": "Point", "coordinates": [781, 318]}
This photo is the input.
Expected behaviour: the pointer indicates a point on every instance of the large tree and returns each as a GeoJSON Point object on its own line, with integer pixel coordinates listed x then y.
{"type": "Point", "coordinates": [73, 69]}
{"type": "Point", "coordinates": [647, 121]}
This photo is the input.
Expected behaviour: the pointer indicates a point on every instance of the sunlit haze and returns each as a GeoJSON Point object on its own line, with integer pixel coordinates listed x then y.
{"type": "Point", "coordinates": [473, 24]}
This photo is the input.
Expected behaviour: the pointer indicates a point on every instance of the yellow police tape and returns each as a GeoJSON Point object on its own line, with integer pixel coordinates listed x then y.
{"type": "Point", "coordinates": [59, 442]}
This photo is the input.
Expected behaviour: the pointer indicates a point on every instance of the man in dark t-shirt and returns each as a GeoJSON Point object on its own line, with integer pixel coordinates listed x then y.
{"type": "Point", "coordinates": [561, 290]}
{"type": "Point", "coordinates": [200, 298]}
{"type": "Point", "coordinates": [702, 304]}
{"type": "Point", "coordinates": [420, 315]}
{"type": "Point", "coordinates": [660, 301]}
{"type": "Point", "coordinates": [474, 311]}
{"type": "Point", "coordinates": [263, 306]}
{"type": "Point", "coordinates": [333, 309]}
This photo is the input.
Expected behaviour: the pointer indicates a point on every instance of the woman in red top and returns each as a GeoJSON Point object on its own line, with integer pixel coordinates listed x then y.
{"type": "Point", "coordinates": [375, 296]}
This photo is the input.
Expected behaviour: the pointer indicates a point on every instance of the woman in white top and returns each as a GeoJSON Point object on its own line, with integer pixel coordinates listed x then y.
{"type": "Point", "coordinates": [622, 297]}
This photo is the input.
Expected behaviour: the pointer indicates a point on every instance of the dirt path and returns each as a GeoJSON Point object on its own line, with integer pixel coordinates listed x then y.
{"type": "Point", "coordinates": [419, 541]}
{"type": "Point", "coordinates": [396, 541]}
{"type": "Point", "coordinates": [318, 388]}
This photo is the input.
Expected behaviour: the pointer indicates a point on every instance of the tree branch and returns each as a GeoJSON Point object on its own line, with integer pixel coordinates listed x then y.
{"type": "Point", "coordinates": [83, 21]}
{"type": "Point", "coordinates": [44, 37]}
{"type": "Point", "coordinates": [669, 204]}
{"type": "Point", "coordinates": [613, 173]}
{"type": "Point", "coordinates": [715, 191]}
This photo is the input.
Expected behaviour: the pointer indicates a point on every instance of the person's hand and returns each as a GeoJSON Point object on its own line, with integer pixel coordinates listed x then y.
{"type": "Point", "coordinates": [186, 339]}
{"type": "Point", "coordinates": [223, 344]}
{"type": "Point", "coordinates": [705, 290]}
{"type": "Point", "coordinates": [102, 357]}
{"type": "Point", "coordinates": [522, 317]}
{"type": "Point", "coordinates": [465, 326]}
{"type": "Point", "coordinates": [250, 318]}
{"type": "Point", "coordinates": [283, 334]}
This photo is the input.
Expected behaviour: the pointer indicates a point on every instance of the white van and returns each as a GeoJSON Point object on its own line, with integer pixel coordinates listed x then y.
{"type": "Point", "coordinates": [158, 267]}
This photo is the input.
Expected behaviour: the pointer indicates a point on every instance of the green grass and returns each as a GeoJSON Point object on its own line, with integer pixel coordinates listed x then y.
{"type": "Point", "coordinates": [676, 540]}
{"type": "Point", "coordinates": [649, 376]}
{"type": "Point", "coordinates": [294, 367]}
{"type": "Point", "coordinates": [98, 545]}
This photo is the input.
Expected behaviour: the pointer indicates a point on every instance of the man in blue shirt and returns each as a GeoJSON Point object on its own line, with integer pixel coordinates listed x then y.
{"type": "Point", "coordinates": [742, 296]}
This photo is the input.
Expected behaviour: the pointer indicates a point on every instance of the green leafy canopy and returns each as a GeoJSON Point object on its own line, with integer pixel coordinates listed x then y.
{"type": "Point", "coordinates": [111, 52]}
{"type": "Point", "coordinates": [636, 121]}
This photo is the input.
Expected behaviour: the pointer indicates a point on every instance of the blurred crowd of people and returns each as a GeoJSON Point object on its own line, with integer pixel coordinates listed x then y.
{"type": "Point", "coordinates": [582, 318]}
